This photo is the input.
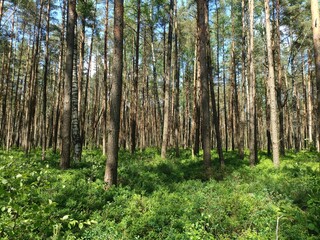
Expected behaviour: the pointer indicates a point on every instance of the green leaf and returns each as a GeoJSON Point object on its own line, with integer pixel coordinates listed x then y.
{"type": "Point", "coordinates": [65, 217]}
{"type": "Point", "coordinates": [311, 226]}
{"type": "Point", "coordinates": [4, 181]}
{"type": "Point", "coordinates": [80, 225]}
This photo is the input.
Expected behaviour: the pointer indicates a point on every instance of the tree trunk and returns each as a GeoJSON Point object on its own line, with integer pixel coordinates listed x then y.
{"type": "Point", "coordinates": [166, 117]}
{"type": "Point", "coordinates": [177, 82]}
{"type": "Point", "coordinates": [316, 48]}
{"type": "Point", "coordinates": [45, 80]}
{"type": "Point", "coordinates": [309, 102]}
{"type": "Point", "coordinates": [243, 79]}
{"type": "Point", "coordinates": [134, 92]}
{"type": "Point", "coordinates": [202, 21]}
{"type": "Point", "coordinates": [252, 92]}
{"type": "Point", "coordinates": [278, 71]}
{"type": "Point", "coordinates": [75, 126]}
{"type": "Point", "coordinates": [110, 177]}
{"type": "Point", "coordinates": [87, 84]}
{"type": "Point", "coordinates": [105, 81]}
{"type": "Point", "coordinates": [195, 131]}
{"type": "Point", "coordinates": [1, 10]}
{"type": "Point", "coordinates": [66, 114]}
{"type": "Point", "coordinates": [272, 92]}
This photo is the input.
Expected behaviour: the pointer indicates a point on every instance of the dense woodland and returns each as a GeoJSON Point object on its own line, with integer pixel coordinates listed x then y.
{"type": "Point", "coordinates": [212, 74]}
{"type": "Point", "coordinates": [204, 114]}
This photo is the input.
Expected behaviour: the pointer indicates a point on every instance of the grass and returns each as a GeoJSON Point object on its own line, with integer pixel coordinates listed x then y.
{"type": "Point", "coordinates": [159, 199]}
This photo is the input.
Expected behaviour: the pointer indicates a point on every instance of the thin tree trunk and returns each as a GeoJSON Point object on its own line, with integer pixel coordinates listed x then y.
{"type": "Point", "coordinates": [60, 80]}
{"type": "Point", "coordinates": [66, 114]}
{"type": "Point", "coordinates": [75, 126]}
{"type": "Point", "coordinates": [105, 81]}
{"type": "Point", "coordinates": [309, 102]}
{"type": "Point", "coordinates": [272, 92]}
{"type": "Point", "coordinates": [32, 99]}
{"type": "Point", "coordinates": [1, 10]}
{"type": "Point", "coordinates": [134, 92]}
{"type": "Point", "coordinates": [155, 83]}
{"type": "Point", "coordinates": [110, 177]}
{"type": "Point", "coordinates": [278, 69]}
{"type": "Point", "coordinates": [252, 92]}
{"type": "Point", "coordinates": [316, 49]}
{"type": "Point", "coordinates": [87, 84]}
{"type": "Point", "coordinates": [177, 82]}
{"type": "Point", "coordinates": [243, 79]}
{"type": "Point", "coordinates": [45, 80]}
{"type": "Point", "coordinates": [166, 117]}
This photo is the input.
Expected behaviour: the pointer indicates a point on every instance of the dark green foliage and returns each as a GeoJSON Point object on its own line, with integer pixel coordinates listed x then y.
{"type": "Point", "coordinates": [159, 199]}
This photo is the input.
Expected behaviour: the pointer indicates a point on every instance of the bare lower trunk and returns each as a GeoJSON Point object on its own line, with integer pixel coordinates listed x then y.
{"type": "Point", "coordinates": [110, 176]}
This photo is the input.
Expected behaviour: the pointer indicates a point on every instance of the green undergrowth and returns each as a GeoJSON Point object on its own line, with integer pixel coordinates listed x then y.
{"type": "Point", "coordinates": [159, 199]}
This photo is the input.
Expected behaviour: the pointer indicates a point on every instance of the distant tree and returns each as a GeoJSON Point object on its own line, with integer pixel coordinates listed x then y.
{"type": "Point", "coordinates": [110, 177]}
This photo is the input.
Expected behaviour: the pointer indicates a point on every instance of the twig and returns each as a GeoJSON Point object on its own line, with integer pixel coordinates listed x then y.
{"type": "Point", "coordinates": [277, 227]}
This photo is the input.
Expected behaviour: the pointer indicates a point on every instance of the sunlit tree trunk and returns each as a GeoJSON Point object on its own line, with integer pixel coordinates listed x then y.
{"type": "Point", "coordinates": [1, 10]}
{"type": "Point", "coordinates": [252, 92]}
{"type": "Point", "coordinates": [195, 131]}
{"type": "Point", "coordinates": [278, 73]}
{"type": "Point", "coordinates": [60, 80]}
{"type": "Point", "coordinates": [316, 49]}
{"type": "Point", "coordinates": [272, 90]}
{"type": "Point", "coordinates": [85, 105]}
{"type": "Point", "coordinates": [309, 102]}
{"type": "Point", "coordinates": [166, 116]}
{"type": "Point", "coordinates": [75, 125]}
{"type": "Point", "coordinates": [158, 113]}
{"type": "Point", "coordinates": [110, 176]}
{"type": "Point", "coordinates": [243, 80]}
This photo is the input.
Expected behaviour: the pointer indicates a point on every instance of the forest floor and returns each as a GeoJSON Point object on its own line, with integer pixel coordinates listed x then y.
{"type": "Point", "coordinates": [159, 199]}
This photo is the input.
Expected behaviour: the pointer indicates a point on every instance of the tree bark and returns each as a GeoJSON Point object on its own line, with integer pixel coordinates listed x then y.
{"type": "Point", "coordinates": [105, 81]}
{"type": "Point", "coordinates": [45, 80]}
{"type": "Point", "coordinates": [166, 117]}
{"type": "Point", "coordinates": [177, 81]}
{"type": "Point", "coordinates": [1, 10]}
{"type": "Point", "coordinates": [252, 92]}
{"type": "Point", "coordinates": [66, 114]}
{"type": "Point", "coordinates": [75, 125]}
{"type": "Point", "coordinates": [110, 177]}
{"type": "Point", "coordinates": [134, 92]}
{"type": "Point", "coordinates": [272, 92]}
{"type": "Point", "coordinates": [316, 49]}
